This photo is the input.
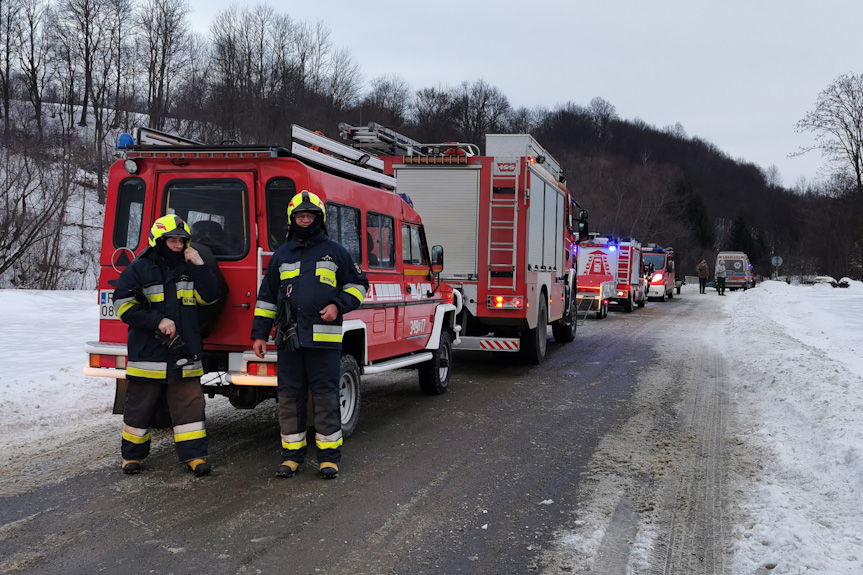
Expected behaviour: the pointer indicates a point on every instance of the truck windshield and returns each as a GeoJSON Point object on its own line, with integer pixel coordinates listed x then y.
{"type": "Point", "coordinates": [656, 260]}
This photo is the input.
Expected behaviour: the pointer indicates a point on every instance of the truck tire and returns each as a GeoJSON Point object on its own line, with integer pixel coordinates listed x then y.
{"type": "Point", "coordinates": [534, 341]}
{"type": "Point", "coordinates": [563, 329]}
{"type": "Point", "coordinates": [349, 393]}
{"type": "Point", "coordinates": [627, 305]}
{"type": "Point", "coordinates": [434, 373]}
{"type": "Point", "coordinates": [671, 293]}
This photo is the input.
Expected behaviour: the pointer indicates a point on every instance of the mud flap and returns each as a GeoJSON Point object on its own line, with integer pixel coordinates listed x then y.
{"type": "Point", "coordinates": [120, 397]}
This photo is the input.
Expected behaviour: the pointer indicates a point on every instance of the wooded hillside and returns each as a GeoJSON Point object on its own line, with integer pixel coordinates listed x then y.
{"type": "Point", "coordinates": [76, 73]}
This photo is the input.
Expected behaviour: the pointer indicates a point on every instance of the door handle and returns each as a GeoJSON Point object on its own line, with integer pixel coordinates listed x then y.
{"type": "Point", "coordinates": [245, 305]}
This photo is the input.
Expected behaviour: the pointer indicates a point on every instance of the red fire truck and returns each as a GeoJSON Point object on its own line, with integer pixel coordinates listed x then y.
{"type": "Point", "coordinates": [621, 259]}
{"type": "Point", "coordinates": [597, 280]}
{"type": "Point", "coordinates": [509, 226]}
{"type": "Point", "coordinates": [234, 197]}
{"type": "Point", "coordinates": [659, 268]}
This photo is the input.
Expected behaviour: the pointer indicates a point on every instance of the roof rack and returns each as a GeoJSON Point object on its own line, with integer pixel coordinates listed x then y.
{"type": "Point", "coordinates": [318, 149]}
{"type": "Point", "coordinates": [387, 141]}
{"type": "Point", "coordinates": [381, 139]}
{"type": "Point", "coordinates": [311, 147]}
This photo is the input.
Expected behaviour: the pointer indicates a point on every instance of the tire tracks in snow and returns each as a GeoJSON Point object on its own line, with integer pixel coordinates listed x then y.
{"type": "Point", "coordinates": [655, 499]}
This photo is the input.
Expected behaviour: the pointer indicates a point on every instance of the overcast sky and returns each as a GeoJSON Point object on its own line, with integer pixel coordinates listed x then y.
{"type": "Point", "coordinates": [737, 73]}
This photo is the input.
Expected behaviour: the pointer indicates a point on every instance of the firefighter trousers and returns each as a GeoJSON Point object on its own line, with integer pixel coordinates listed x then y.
{"type": "Point", "coordinates": [186, 404]}
{"type": "Point", "coordinates": [300, 372]}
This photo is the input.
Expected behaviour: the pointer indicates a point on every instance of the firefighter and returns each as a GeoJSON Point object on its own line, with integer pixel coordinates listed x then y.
{"type": "Point", "coordinates": [158, 296]}
{"type": "Point", "coordinates": [311, 282]}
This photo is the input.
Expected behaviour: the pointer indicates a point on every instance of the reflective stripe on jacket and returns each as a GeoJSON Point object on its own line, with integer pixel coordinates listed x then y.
{"type": "Point", "coordinates": [145, 295]}
{"type": "Point", "coordinates": [318, 272]}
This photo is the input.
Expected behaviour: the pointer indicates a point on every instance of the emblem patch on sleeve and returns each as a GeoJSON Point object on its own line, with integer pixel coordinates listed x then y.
{"type": "Point", "coordinates": [358, 268]}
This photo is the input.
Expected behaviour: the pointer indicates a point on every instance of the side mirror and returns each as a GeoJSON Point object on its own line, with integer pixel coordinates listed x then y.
{"type": "Point", "coordinates": [437, 259]}
{"type": "Point", "coordinates": [583, 232]}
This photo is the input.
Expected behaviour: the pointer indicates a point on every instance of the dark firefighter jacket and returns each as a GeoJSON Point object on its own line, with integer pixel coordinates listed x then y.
{"type": "Point", "coordinates": [146, 293]}
{"type": "Point", "coordinates": [317, 272]}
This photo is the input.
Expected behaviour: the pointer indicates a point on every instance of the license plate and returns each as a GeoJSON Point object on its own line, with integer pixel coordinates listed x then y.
{"type": "Point", "coordinates": [106, 304]}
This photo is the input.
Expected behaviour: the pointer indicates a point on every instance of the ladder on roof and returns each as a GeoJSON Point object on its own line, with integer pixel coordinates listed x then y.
{"type": "Point", "coordinates": [503, 232]}
{"type": "Point", "coordinates": [380, 139]}
{"type": "Point", "coordinates": [386, 141]}
{"type": "Point", "coordinates": [319, 149]}
{"type": "Point", "coordinates": [306, 144]}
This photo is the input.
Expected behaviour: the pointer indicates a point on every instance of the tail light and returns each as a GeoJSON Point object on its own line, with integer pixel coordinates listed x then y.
{"type": "Point", "coordinates": [261, 368]}
{"type": "Point", "coordinates": [111, 361]}
{"type": "Point", "coordinates": [505, 302]}
{"type": "Point", "coordinates": [448, 297]}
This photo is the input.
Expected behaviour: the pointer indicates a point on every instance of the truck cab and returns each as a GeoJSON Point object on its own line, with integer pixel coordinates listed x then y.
{"type": "Point", "coordinates": [234, 198]}
{"type": "Point", "coordinates": [659, 268]}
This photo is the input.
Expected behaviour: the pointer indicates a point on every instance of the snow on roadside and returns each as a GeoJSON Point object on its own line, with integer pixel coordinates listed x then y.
{"type": "Point", "coordinates": [796, 354]}
{"type": "Point", "coordinates": [44, 397]}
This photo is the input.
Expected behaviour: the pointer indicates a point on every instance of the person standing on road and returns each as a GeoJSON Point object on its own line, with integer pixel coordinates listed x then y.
{"type": "Point", "coordinates": [719, 276]}
{"type": "Point", "coordinates": [158, 296]}
{"type": "Point", "coordinates": [310, 284]}
{"type": "Point", "coordinates": [703, 274]}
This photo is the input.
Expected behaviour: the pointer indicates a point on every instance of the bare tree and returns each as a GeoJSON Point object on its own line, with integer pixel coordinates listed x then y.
{"type": "Point", "coordinates": [10, 11]}
{"type": "Point", "coordinates": [164, 32]}
{"type": "Point", "coordinates": [121, 47]}
{"type": "Point", "coordinates": [773, 177]}
{"type": "Point", "coordinates": [33, 199]}
{"type": "Point", "coordinates": [837, 122]}
{"type": "Point", "coordinates": [320, 50]}
{"type": "Point", "coordinates": [480, 109]}
{"type": "Point", "coordinates": [81, 19]}
{"type": "Point", "coordinates": [390, 96]}
{"type": "Point", "coordinates": [525, 120]}
{"type": "Point", "coordinates": [602, 112]}
{"type": "Point", "coordinates": [103, 88]}
{"type": "Point", "coordinates": [64, 70]}
{"type": "Point", "coordinates": [343, 80]}
{"type": "Point", "coordinates": [432, 113]}
{"type": "Point", "coordinates": [35, 53]}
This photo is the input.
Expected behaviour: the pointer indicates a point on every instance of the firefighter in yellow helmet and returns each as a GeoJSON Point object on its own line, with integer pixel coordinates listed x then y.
{"type": "Point", "coordinates": [158, 296]}
{"type": "Point", "coordinates": [310, 284]}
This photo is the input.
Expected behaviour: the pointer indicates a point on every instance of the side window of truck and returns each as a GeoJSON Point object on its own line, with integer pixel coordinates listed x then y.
{"type": "Point", "coordinates": [413, 250]}
{"type": "Point", "coordinates": [343, 226]}
{"type": "Point", "coordinates": [216, 209]}
{"type": "Point", "coordinates": [129, 214]}
{"type": "Point", "coordinates": [279, 193]}
{"type": "Point", "coordinates": [380, 235]}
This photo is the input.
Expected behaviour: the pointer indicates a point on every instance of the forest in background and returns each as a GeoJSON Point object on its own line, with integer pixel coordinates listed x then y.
{"type": "Point", "coordinates": [74, 74]}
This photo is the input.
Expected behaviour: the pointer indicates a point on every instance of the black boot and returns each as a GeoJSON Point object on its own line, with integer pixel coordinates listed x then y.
{"type": "Point", "coordinates": [329, 470]}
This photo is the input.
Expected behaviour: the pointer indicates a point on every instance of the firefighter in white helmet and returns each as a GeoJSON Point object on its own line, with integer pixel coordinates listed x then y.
{"type": "Point", "coordinates": [158, 296]}
{"type": "Point", "coordinates": [310, 284]}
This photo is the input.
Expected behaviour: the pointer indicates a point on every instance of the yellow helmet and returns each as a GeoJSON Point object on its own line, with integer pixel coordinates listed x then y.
{"type": "Point", "coordinates": [306, 201]}
{"type": "Point", "coordinates": [170, 226]}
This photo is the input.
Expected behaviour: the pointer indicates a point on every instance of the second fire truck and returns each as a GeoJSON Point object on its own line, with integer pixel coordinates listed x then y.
{"type": "Point", "coordinates": [621, 259]}
{"type": "Point", "coordinates": [508, 224]}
